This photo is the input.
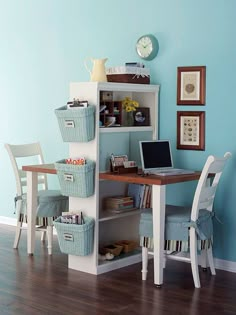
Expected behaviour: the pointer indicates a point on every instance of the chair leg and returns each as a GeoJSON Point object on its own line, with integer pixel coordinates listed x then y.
{"type": "Point", "coordinates": [211, 261]}
{"type": "Point", "coordinates": [193, 257]}
{"type": "Point", "coordinates": [50, 237]}
{"type": "Point", "coordinates": [43, 236]}
{"type": "Point", "coordinates": [204, 259]}
{"type": "Point", "coordinates": [17, 234]}
{"type": "Point", "coordinates": [144, 262]}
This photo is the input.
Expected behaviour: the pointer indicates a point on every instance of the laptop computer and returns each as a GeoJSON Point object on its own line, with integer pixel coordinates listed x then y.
{"type": "Point", "coordinates": [156, 158]}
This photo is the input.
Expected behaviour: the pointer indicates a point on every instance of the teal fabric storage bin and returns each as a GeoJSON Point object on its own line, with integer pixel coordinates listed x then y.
{"type": "Point", "coordinates": [76, 125]}
{"type": "Point", "coordinates": [75, 239]}
{"type": "Point", "coordinates": [76, 180]}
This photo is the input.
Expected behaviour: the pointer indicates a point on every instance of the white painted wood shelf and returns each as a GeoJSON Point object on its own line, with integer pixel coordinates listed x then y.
{"type": "Point", "coordinates": [110, 227]}
{"type": "Point", "coordinates": [106, 215]}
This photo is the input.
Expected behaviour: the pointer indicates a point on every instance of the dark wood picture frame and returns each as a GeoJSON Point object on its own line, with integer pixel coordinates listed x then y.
{"type": "Point", "coordinates": [191, 85]}
{"type": "Point", "coordinates": [191, 130]}
{"type": "Point", "coordinates": [142, 116]}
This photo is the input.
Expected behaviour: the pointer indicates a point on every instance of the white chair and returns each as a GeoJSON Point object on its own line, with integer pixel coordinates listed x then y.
{"type": "Point", "coordinates": [188, 229]}
{"type": "Point", "coordinates": [50, 202]}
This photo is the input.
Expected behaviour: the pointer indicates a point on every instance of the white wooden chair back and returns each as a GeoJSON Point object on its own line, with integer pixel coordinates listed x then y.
{"type": "Point", "coordinates": [31, 152]}
{"type": "Point", "coordinates": [206, 188]}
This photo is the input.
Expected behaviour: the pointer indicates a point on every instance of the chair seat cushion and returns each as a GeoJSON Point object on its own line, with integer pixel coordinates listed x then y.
{"type": "Point", "coordinates": [51, 203]}
{"type": "Point", "coordinates": [177, 223]}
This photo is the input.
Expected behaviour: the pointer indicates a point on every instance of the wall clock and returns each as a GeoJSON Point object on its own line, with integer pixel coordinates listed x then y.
{"type": "Point", "coordinates": [147, 47]}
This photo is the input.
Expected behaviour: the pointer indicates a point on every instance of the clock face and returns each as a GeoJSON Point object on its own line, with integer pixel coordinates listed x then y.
{"type": "Point", "coordinates": [147, 47]}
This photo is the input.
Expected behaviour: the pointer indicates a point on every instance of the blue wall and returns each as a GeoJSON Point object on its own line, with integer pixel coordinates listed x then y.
{"type": "Point", "coordinates": [43, 47]}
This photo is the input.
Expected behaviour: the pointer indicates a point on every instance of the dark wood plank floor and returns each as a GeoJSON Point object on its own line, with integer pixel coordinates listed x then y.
{"type": "Point", "coordinates": [43, 285]}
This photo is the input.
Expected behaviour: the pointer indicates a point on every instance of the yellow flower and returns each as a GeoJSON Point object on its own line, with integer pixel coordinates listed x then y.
{"type": "Point", "coordinates": [129, 105]}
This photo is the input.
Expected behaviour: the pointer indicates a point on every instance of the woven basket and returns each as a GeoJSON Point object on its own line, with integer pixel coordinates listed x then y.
{"type": "Point", "coordinates": [128, 246]}
{"type": "Point", "coordinates": [114, 249]}
{"type": "Point", "coordinates": [75, 239]}
{"type": "Point", "coordinates": [76, 125]}
{"type": "Point", "coordinates": [76, 180]}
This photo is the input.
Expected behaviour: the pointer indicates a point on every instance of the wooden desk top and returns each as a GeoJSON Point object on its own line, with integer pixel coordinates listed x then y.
{"type": "Point", "coordinates": [41, 168]}
{"type": "Point", "coordinates": [150, 179]}
{"type": "Point", "coordinates": [128, 178]}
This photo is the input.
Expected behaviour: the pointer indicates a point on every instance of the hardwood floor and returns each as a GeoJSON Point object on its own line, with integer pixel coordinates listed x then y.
{"type": "Point", "coordinates": [43, 285]}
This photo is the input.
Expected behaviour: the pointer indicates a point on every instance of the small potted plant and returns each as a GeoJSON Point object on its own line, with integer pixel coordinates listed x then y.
{"type": "Point", "coordinates": [129, 106]}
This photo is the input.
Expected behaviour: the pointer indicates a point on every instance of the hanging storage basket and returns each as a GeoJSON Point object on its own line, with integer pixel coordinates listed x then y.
{"type": "Point", "coordinates": [76, 125]}
{"type": "Point", "coordinates": [76, 180]}
{"type": "Point", "coordinates": [75, 239]}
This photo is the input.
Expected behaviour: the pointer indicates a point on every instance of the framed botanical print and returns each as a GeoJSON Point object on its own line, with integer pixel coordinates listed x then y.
{"type": "Point", "coordinates": [191, 85]}
{"type": "Point", "coordinates": [191, 130]}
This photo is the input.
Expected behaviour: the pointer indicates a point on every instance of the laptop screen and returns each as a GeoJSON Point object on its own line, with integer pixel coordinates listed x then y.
{"type": "Point", "coordinates": [155, 155]}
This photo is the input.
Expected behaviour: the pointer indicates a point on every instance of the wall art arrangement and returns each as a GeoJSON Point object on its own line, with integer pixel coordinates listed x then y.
{"type": "Point", "coordinates": [191, 130]}
{"type": "Point", "coordinates": [191, 89]}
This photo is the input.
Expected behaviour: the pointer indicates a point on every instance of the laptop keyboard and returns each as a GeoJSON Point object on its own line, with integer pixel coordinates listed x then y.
{"type": "Point", "coordinates": [172, 171]}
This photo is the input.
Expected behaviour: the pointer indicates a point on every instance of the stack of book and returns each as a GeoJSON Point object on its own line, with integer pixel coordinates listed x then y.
{"type": "Point", "coordinates": [119, 204]}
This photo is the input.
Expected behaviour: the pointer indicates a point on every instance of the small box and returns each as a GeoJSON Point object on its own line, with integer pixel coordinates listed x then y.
{"type": "Point", "coordinates": [75, 239]}
{"type": "Point", "coordinates": [114, 249]}
{"type": "Point", "coordinates": [128, 78]}
{"type": "Point", "coordinates": [128, 246]}
{"type": "Point", "coordinates": [106, 96]}
{"type": "Point", "coordinates": [128, 74]}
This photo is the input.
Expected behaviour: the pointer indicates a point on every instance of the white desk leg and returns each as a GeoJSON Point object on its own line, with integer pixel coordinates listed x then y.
{"type": "Point", "coordinates": [31, 210]}
{"type": "Point", "coordinates": [158, 205]}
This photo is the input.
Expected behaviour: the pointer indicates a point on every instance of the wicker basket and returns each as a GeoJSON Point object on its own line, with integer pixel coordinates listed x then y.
{"type": "Point", "coordinates": [76, 125]}
{"type": "Point", "coordinates": [128, 246]}
{"type": "Point", "coordinates": [75, 239]}
{"type": "Point", "coordinates": [112, 249]}
{"type": "Point", "coordinates": [76, 180]}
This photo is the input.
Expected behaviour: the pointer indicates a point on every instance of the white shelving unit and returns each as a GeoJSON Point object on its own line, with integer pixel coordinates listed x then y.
{"type": "Point", "coordinates": [118, 140]}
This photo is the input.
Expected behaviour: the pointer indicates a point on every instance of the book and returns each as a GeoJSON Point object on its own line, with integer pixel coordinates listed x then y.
{"type": "Point", "coordinates": [119, 202]}
{"type": "Point", "coordinates": [141, 195]}
{"type": "Point", "coordinates": [145, 194]}
{"type": "Point", "coordinates": [121, 210]}
{"type": "Point", "coordinates": [134, 191]}
{"type": "Point", "coordinates": [120, 205]}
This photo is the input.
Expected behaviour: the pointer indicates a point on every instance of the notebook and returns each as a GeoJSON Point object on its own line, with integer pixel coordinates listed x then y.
{"type": "Point", "coordinates": [156, 158]}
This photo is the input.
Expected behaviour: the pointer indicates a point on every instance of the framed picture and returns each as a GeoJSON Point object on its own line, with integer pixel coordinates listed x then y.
{"type": "Point", "coordinates": [142, 116]}
{"type": "Point", "coordinates": [191, 130]}
{"type": "Point", "coordinates": [191, 85]}
{"type": "Point", "coordinates": [117, 161]}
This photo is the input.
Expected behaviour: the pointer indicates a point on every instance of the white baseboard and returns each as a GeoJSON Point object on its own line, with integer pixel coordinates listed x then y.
{"type": "Point", "coordinates": [225, 265]}
{"type": "Point", "coordinates": [8, 221]}
{"type": "Point", "coordinates": [12, 221]}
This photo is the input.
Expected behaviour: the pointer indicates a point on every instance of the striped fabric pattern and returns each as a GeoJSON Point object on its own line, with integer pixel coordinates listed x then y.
{"type": "Point", "coordinates": [40, 221]}
{"type": "Point", "coordinates": [175, 245]}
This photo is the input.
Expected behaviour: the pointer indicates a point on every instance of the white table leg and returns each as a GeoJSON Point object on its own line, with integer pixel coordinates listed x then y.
{"type": "Point", "coordinates": [32, 183]}
{"type": "Point", "coordinates": [158, 206]}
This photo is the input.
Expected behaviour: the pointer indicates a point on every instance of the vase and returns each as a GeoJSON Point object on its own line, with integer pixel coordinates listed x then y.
{"type": "Point", "coordinates": [128, 119]}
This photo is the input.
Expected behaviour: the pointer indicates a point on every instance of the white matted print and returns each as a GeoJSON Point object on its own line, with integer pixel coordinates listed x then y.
{"type": "Point", "coordinates": [189, 133]}
{"type": "Point", "coordinates": [191, 85]}
{"type": "Point", "coordinates": [191, 130]}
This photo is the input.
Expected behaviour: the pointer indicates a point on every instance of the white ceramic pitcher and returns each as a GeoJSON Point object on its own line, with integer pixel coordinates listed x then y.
{"type": "Point", "coordinates": [98, 74]}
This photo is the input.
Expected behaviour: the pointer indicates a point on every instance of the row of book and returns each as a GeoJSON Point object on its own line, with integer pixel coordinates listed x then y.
{"type": "Point", "coordinates": [141, 194]}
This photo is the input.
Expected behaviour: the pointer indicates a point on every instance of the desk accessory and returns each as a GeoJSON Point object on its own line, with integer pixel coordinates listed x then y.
{"type": "Point", "coordinates": [98, 73]}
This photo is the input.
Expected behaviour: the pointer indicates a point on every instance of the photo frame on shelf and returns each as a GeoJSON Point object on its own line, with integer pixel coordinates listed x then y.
{"type": "Point", "coordinates": [191, 85]}
{"type": "Point", "coordinates": [118, 161]}
{"type": "Point", "coordinates": [142, 116]}
{"type": "Point", "coordinates": [191, 130]}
